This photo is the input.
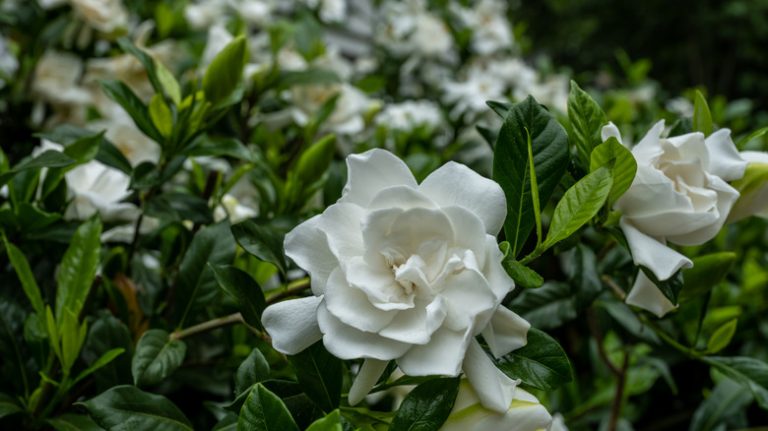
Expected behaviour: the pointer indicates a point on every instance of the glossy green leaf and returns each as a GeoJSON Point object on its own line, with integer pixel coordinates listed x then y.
{"type": "Point", "coordinates": [586, 120]}
{"type": "Point", "coordinates": [264, 411]}
{"type": "Point", "coordinates": [263, 241]}
{"type": "Point", "coordinates": [47, 159]}
{"type": "Point", "coordinates": [254, 369]}
{"type": "Point", "coordinates": [27, 279]}
{"type": "Point", "coordinates": [225, 72]}
{"type": "Point", "coordinates": [156, 357]}
{"type": "Point", "coordinates": [128, 408]}
{"type": "Point", "coordinates": [244, 289]}
{"type": "Point", "coordinates": [523, 276]}
{"type": "Point", "coordinates": [78, 268]}
{"type": "Point", "coordinates": [315, 160]}
{"type": "Point", "coordinates": [331, 422]}
{"type": "Point", "coordinates": [702, 118]}
{"type": "Point", "coordinates": [621, 163]}
{"type": "Point", "coordinates": [579, 205]}
{"type": "Point", "coordinates": [427, 406]}
{"type": "Point", "coordinates": [161, 115]}
{"type": "Point", "coordinates": [722, 336]}
{"type": "Point", "coordinates": [320, 375]}
{"type": "Point", "coordinates": [541, 363]}
{"type": "Point", "coordinates": [74, 422]}
{"type": "Point", "coordinates": [548, 306]}
{"type": "Point", "coordinates": [727, 399]}
{"type": "Point", "coordinates": [510, 165]}
{"type": "Point", "coordinates": [125, 97]}
{"type": "Point", "coordinates": [751, 373]}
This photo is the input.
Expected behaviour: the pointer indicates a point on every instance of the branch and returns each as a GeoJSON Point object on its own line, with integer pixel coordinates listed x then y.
{"type": "Point", "coordinates": [618, 398]}
{"type": "Point", "coordinates": [208, 325]}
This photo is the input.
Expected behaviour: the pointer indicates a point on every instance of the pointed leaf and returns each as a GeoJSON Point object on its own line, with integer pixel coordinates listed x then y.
{"type": "Point", "coordinates": [244, 289]}
{"type": "Point", "coordinates": [702, 118]}
{"type": "Point", "coordinates": [128, 408]}
{"type": "Point", "coordinates": [541, 363]}
{"type": "Point", "coordinates": [620, 161]}
{"type": "Point", "coordinates": [78, 268]}
{"type": "Point", "coordinates": [428, 406]}
{"type": "Point", "coordinates": [156, 357]}
{"type": "Point", "coordinates": [586, 118]}
{"type": "Point", "coordinates": [264, 411]}
{"type": "Point", "coordinates": [254, 369]}
{"type": "Point", "coordinates": [320, 375]}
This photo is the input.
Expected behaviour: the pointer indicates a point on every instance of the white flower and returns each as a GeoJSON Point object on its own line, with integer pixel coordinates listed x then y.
{"type": "Point", "coordinates": [491, 31]}
{"type": "Point", "coordinates": [409, 28]}
{"type": "Point", "coordinates": [8, 62]}
{"type": "Point", "coordinates": [410, 114]}
{"type": "Point", "coordinates": [680, 195]}
{"type": "Point", "coordinates": [232, 208]}
{"type": "Point", "coordinates": [524, 413]}
{"type": "Point", "coordinates": [407, 272]}
{"type": "Point", "coordinates": [347, 116]}
{"type": "Point", "coordinates": [470, 95]}
{"type": "Point", "coordinates": [57, 79]}
{"type": "Point", "coordinates": [754, 190]}
{"type": "Point", "coordinates": [105, 16]}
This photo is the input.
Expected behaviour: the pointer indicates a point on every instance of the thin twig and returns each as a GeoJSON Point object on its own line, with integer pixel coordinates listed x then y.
{"type": "Point", "coordinates": [614, 287]}
{"type": "Point", "coordinates": [208, 326]}
{"type": "Point", "coordinates": [292, 289]}
{"type": "Point", "coordinates": [618, 398]}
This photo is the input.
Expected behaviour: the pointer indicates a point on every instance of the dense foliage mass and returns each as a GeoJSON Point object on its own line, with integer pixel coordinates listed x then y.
{"type": "Point", "coordinates": [368, 215]}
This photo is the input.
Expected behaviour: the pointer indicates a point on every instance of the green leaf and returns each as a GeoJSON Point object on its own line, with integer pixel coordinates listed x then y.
{"type": "Point", "coordinates": [128, 408]}
{"type": "Point", "coordinates": [331, 422]}
{"type": "Point", "coordinates": [263, 241]}
{"type": "Point", "coordinates": [754, 135]}
{"type": "Point", "coordinates": [722, 336]}
{"type": "Point", "coordinates": [103, 361]}
{"type": "Point", "coordinates": [74, 422]}
{"type": "Point", "coordinates": [245, 290]}
{"type": "Point", "coordinates": [620, 161]}
{"type": "Point", "coordinates": [579, 204]}
{"type": "Point", "coordinates": [726, 400]}
{"type": "Point", "coordinates": [168, 82]}
{"type": "Point", "coordinates": [534, 190]}
{"type": "Point", "coordinates": [749, 372]}
{"type": "Point", "coordinates": [125, 97]}
{"type": "Point", "coordinates": [225, 72]}
{"type": "Point", "coordinates": [161, 115]}
{"type": "Point", "coordinates": [72, 338]}
{"type": "Point", "coordinates": [702, 118]}
{"type": "Point", "coordinates": [27, 279]}
{"type": "Point", "coordinates": [427, 406]}
{"type": "Point", "coordinates": [254, 369]}
{"type": "Point", "coordinates": [156, 357]}
{"type": "Point", "coordinates": [320, 375]}
{"type": "Point", "coordinates": [548, 306]}
{"type": "Point", "coordinates": [264, 411]}
{"type": "Point", "coordinates": [47, 159]}
{"type": "Point", "coordinates": [707, 272]}
{"type": "Point", "coordinates": [315, 160]}
{"type": "Point", "coordinates": [78, 268]}
{"type": "Point", "coordinates": [541, 363]}
{"type": "Point", "coordinates": [212, 244]}
{"type": "Point", "coordinates": [522, 275]}
{"type": "Point", "coordinates": [510, 165]}
{"type": "Point", "coordinates": [220, 146]}
{"type": "Point", "coordinates": [580, 265]}
{"type": "Point", "coordinates": [8, 405]}
{"type": "Point", "coordinates": [587, 119]}
{"type": "Point", "coordinates": [499, 108]}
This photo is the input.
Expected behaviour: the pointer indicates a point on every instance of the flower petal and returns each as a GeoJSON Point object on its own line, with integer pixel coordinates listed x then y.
{"type": "Point", "coordinates": [416, 325]}
{"type": "Point", "coordinates": [610, 130]}
{"type": "Point", "coordinates": [652, 253]}
{"type": "Point", "coordinates": [403, 197]}
{"type": "Point", "coordinates": [378, 282]}
{"type": "Point", "coordinates": [443, 355]}
{"type": "Point", "coordinates": [293, 324]}
{"type": "Point", "coordinates": [307, 245]}
{"type": "Point", "coordinates": [469, 299]}
{"type": "Point", "coordinates": [341, 223]}
{"type": "Point", "coordinates": [724, 159]}
{"type": "Point", "coordinates": [650, 145]}
{"type": "Point", "coordinates": [372, 171]}
{"type": "Point", "coordinates": [646, 295]}
{"type": "Point", "coordinates": [454, 184]}
{"type": "Point", "coordinates": [346, 342]}
{"type": "Point", "coordinates": [469, 231]}
{"type": "Point", "coordinates": [505, 332]}
{"type": "Point", "coordinates": [369, 374]}
{"type": "Point", "coordinates": [726, 198]}
{"type": "Point", "coordinates": [352, 306]}
{"type": "Point", "coordinates": [494, 388]}
{"type": "Point", "coordinates": [498, 280]}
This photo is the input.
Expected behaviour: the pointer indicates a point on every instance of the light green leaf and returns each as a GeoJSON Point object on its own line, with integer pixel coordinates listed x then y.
{"type": "Point", "coordinates": [706, 273]}
{"type": "Point", "coordinates": [225, 72]}
{"type": "Point", "coordinates": [128, 408]}
{"type": "Point", "coordinates": [427, 406]}
{"type": "Point", "coordinates": [586, 119]}
{"type": "Point", "coordinates": [522, 275]}
{"type": "Point", "coordinates": [168, 82]}
{"type": "Point", "coordinates": [315, 160]}
{"type": "Point", "coordinates": [702, 118]}
{"type": "Point", "coordinates": [156, 357]}
{"type": "Point", "coordinates": [78, 268]}
{"type": "Point", "coordinates": [264, 411]}
{"type": "Point", "coordinates": [620, 161]}
{"type": "Point", "coordinates": [28, 283]}
{"type": "Point", "coordinates": [331, 422]}
{"type": "Point", "coordinates": [161, 115]}
{"type": "Point", "coordinates": [541, 363]}
{"type": "Point", "coordinates": [579, 204]}
{"type": "Point", "coordinates": [722, 336]}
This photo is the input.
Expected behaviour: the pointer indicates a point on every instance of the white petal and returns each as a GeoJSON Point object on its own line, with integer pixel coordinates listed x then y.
{"type": "Point", "coordinates": [505, 332]}
{"type": "Point", "coordinates": [494, 388]}
{"type": "Point", "coordinates": [378, 282]}
{"type": "Point", "coordinates": [370, 172]}
{"type": "Point", "coordinates": [367, 377]}
{"type": "Point", "coordinates": [726, 197]}
{"type": "Point", "coordinates": [346, 342]}
{"type": "Point", "coordinates": [351, 305]}
{"type": "Point", "coordinates": [443, 354]}
{"type": "Point", "coordinates": [469, 299]}
{"type": "Point", "coordinates": [646, 295]}
{"type": "Point", "coordinates": [469, 231]}
{"type": "Point", "coordinates": [754, 200]}
{"type": "Point", "coordinates": [307, 245]}
{"type": "Point", "coordinates": [341, 223]}
{"type": "Point", "coordinates": [498, 280]}
{"type": "Point", "coordinates": [652, 253]}
{"type": "Point", "coordinates": [454, 184]}
{"type": "Point", "coordinates": [610, 130]}
{"type": "Point", "coordinates": [292, 324]}
{"type": "Point", "coordinates": [724, 159]}
{"type": "Point", "coordinates": [403, 197]}
{"type": "Point", "coordinates": [416, 326]}
{"type": "Point", "coordinates": [649, 146]}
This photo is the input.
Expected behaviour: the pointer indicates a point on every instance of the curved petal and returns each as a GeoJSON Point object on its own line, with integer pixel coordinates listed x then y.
{"type": "Point", "coordinates": [293, 324]}
{"type": "Point", "coordinates": [403, 197]}
{"type": "Point", "coordinates": [342, 224]}
{"type": "Point", "coordinates": [652, 253]}
{"type": "Point", "coordinates": [469, 300]}
{"type": "Point", "coordinates": [378, 282]}
{"type": "Point", "coordinates": [346, 342]}
{"type": "Point", "coordinates": [416, 326]}
{"type": "Point", "coordinates": [505, 332]}
{"type": "Point", "coordinates": [443, 354]}
{"type": "Point", "coordinates": [726, 198]}
{"type": "Point", "coordinates": [369, 374]}
{"type": "Point", "coordinates": [652, 193]}
{"type": "Point", "coordinates": [372, 171]}
{"type": "Point", "coordinates": [650, 146]}
{"type": "Point", "coordinates": [307, 245]}
{"type": "Point", "coordinates": [454, 184]}
{"type": "Point", "coordinates": [724, 160]}
{"type": "Point", "coordinates": [498, 280]}
{"type": "Point", "coordinates": [525, 413]}
{"type": "Point", "coordinates": [646, 295]}
{"type": "Point", "coordinates": [469, 231]}
{"type": "Point", "coordinates": [351, 305]}
{"type": "Point", "coordinates": [610, 131]}
{"type": "Point", "coordinates": [754, 198]}
{"type": "Point", "coordinates": [494, 388]}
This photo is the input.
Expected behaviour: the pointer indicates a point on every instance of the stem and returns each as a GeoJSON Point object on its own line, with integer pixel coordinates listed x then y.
{"type": "Point", "coordinates": [595, 329]}
{"type": "Point", "coordinates": [614, 287]}
{"type": "Point", "coordinates": [208, 326]}
{"type": "Point", "coordinates": [292, 289]}
{"type": "Point", "coordinates": [618, 398]}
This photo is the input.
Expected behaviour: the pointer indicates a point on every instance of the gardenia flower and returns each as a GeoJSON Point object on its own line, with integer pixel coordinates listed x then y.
{"type": "Point", "coordinates": [105, 16]}
{"type": "Point", "coordinates": [410, 114]}
{"type": "Point", "coordinates": [470, 95]}
{"type": "Point", "coordinates": [407, 272]}
{"type": "Point", "coordinates": [680, 195]}
{"type": "Point", "coordinates": [491, 31]}
{"type": "Point", "coordinates": [754, 191]}
{"type": "Point", "coordinates": [347, 116]}
{"type": "Point", "coordinates": [524, 413]}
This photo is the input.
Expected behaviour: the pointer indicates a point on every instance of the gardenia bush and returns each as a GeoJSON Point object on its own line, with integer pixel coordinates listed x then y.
{"type": "Point", "coordinates": [337, 215]}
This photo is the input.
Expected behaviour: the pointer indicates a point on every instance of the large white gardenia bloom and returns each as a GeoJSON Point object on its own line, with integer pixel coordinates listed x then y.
{"type": "Point", "coordinates": [524, 413]}
{"type": "Point", "coordinates": [754, 188]}
{"type": "Point", "coordinates": [407, 272]}
{"type": "Point", "coordinates": [680, 195]}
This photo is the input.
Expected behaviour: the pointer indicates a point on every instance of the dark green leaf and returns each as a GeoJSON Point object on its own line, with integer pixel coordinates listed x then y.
{"type": "Point", "coordinates": [78, 268]}
{"type": "Point", "coordinates": [128, 408]}
{"type": "Point", "coordinates": [751, 373]}
{"type": "Point", "coordinates": [500, 108]}
{"type": "Point", "coordinates": [580, 265]}
{"type": "Point", "coordinates": [103, 361]}
{"type": "Point", "coordinates": [727, 399]}
{"type": "Point", "coordinates": [541, 363]}
{"type": "Point", "coordinates": [28, 283]}
{"type": "Point", "coordinates": [549, 306]}
{"type": "Point", "coordinates": [264, 411]}
{"type": "Point", "coordinates": [621, 163]}
{"type": "Point", "coordinates": [125, 97]}
{"type": "Point", "coordinates": [587, 119]}
{"type": "Point", "coordinates": [315, 160]}
{"type": "Point", "coordinates": [74, 422]}
{"type": "Point", "coordinates": [47, 159]}
{"type": "Point", "coordinates": [217, 147]}
{"type": "Point", "coordinates": [156, 357]}
{"type": "Point", "coordinates": [320, 375]}
{"type": "Point", "coordinates": [179, 206]}
{"type": "Point", "coordinates": [510, 165]}
{"type": "Point", "coordinates": [291, 78]}
{"type": "Point", "coordinates": [427, 407]}
{"type": "Point", "coordinates": [8, 406]}
{"type": "Point", "coordinates": [263, 241]}
{"type": "Point", "coordinates": [707, 272]}
{"type": "Point", "coordinates": [523, 276]}
{"type": "Point", "coordinates": [244, 289]}
{"type": "Point", "coordinates": [225, 72]}
{"type": "Point", "coordinates": [254, 369]}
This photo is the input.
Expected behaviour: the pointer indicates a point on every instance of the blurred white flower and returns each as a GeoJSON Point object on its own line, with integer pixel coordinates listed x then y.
{"type": "Point", "coordinates": [558, 423]}
{"type": "Point", "coordinates": [407, 27]}
{"type": "Point", "coordinates": [347, 116]}
{"type": "Point", "coordinates": [231, 208]}
{"type": "Point", "coordinates": [469, 96]}
{"type": "Point", "coordinates": [218, 38]}
{"type": "Point", "coordinates": [754, 190]}
{"type": "Point", "coordinates": [106, 16]}
{"type": "Point", "coordinates": [131, 142]}
{"type": "Point", "coordinates": [491, 31]}
{"type": "Point", "coordinates": [410, 114]}
{"type": "Point", "coordinates": [57, 79]}
{"type": "Point", "coordinates": [8, 62]}
{"type": "Point", "coordinates": [524, 413]}
{"type": "Point", "coordinates": [329, 10]}
{"type": "Point", "coordinates": [680, 106]}
{"type": "Point", "coordinates": [407, 272]}
{"type": "Point", "coordinates": [680, 195]}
